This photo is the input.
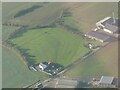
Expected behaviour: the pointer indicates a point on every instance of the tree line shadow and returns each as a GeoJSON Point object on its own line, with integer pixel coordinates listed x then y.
{"type": "Point", "coordinates": [29, 58]}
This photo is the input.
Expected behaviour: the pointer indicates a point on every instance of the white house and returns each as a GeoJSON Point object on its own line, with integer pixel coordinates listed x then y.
{"type": "Point", "coordinates": [42, 66]}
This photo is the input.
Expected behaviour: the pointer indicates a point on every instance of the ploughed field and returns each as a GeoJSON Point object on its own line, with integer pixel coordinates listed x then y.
{"type": "Point", "coordinates": [51, 44]}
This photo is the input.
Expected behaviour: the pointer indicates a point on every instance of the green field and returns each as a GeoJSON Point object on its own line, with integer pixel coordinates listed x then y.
{"type": "Point", "coordinates": [52, 44]}
{"type": "Point", "coordinates": [15, 73]}
{"type": "Point", "coordinates": [99, 64]}
{"type": "Point", "coordinates": [46, 14]}
{"type": "Point", "coordinates": [84, 15]}
{"type": "Point", "coordinates": [55, 44]}
{"type": "Point", "coordinates": [9, 9]}
{"type": "Point", "coordinates": [7, 30]}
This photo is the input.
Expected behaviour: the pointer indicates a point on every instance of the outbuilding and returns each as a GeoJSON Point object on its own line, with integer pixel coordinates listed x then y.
{"type": "Point", "coordinates": [106, 81]}
{"type": "Point", "coordinates": [43, 65]}
{"type": "Point", "coordinates": [109, 25]}
{"type": "Point", "coordinates": [97, 36]}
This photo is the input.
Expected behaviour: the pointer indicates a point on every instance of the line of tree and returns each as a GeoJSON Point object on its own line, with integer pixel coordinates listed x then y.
{"type": "Point", "coordinates": [29, 59]}
{"type": "Point", "coordinates": [12, 46]}
{"type": "Point", "coordinates": [26, 11]}
{"type": "Point", "coordinates": [24, 52]}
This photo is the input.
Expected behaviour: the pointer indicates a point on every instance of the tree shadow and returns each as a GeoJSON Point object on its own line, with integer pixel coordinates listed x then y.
{"type": "Point", "coordinates": [19, 32]}
{"type": "Point", "coordinates": [26, 11]}
{"type": "Point", "coordinates": [29, 58]}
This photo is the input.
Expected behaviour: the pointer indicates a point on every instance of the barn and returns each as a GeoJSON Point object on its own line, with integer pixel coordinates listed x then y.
{"type": "Point", "coordinates": [97, 36]}
{"type": "Point", "coordinates": [109, 25]}
{"type": "Point", "coordinates": [106, 81]}
{"type": "Point", "coordinates": [50, 67]}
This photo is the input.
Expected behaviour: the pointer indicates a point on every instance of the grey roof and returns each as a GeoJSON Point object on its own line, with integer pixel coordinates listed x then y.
{"type": "Point", "coordinates": [109, 24]}
{"type": "Point", "coordinates": [53, 66]}
{"type": "Point", "coordinates": [98, 35]}
{"type": "Point", "coordinates": [106, 80]}
{"type": "Point", "coordinates": [111, 27]}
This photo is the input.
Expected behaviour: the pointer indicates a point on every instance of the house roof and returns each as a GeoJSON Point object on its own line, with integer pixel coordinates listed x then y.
{"type": "Point", "coordinates": [43, 65]}
{"type": "Point", "coordinates": [53, 66]}
{"type": "Point", "coordinates": [106, 80]}
{"type": "Point", "coordinates": [98, 35]}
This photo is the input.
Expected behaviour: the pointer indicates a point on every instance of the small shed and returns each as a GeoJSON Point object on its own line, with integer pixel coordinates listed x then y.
{"type": "Point", "coordinates": [106, 81]}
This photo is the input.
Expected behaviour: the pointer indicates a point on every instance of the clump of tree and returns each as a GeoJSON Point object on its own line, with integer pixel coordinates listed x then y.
{"type": "Point", "coordinates": [26, 11]}
{"type": "Point", "coordinates": [52, 25]}
{"type": "Point", "coordinates": [73, 30]}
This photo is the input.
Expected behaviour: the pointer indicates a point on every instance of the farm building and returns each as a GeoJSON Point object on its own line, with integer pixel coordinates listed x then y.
{"type": "Point", "coordinates": [106, 81]}
{"type": "Point", "coordinates": [97, 36]}
{"type": "Point", "coordinates": [109, 25]}
{"type": "Point", "coordinates": [51, 68]}
{"type": "Point", "coordinates": [43, 65]}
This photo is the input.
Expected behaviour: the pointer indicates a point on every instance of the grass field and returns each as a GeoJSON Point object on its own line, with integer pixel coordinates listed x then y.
{"type": "Point", "coordinates": [15, 73]}
{"type": "Point", "coordinates": [100, 64]}
{"type": "Point", "coordinates": [84, 15]}
{"type": "Point", "coordinates": [41, 16]}
{"type": "Point", "coordinates": [52, 44]}
{"type": "Point", "coordinates": [7, 30]}
{"type": "Point", "coordinates": [9, 9]}
{"type": "Point", "coordinates": [55, 44]}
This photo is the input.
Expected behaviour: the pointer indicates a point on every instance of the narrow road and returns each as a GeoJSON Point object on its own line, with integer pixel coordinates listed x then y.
{"type": "Point", "coordinates": [77, 62]}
